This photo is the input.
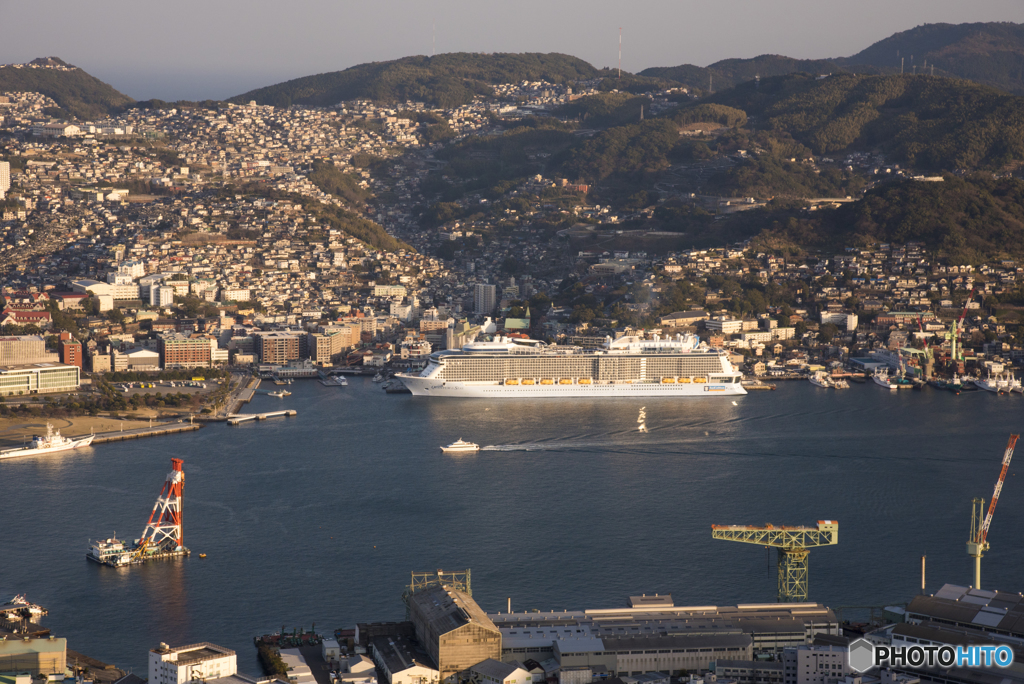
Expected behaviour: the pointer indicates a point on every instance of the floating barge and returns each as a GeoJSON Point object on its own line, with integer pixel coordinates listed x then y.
{"type": "Point", "coordinates": [161, 540]}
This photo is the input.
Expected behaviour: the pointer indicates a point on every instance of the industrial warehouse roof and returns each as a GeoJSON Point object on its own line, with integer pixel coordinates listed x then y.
{"type": "Point", "coordinates": [676, 642]}
{"type": "Point", "coordinates": [582, 643]}
{"type": "Point", "coordinates": [11, 647]}
{"type": "Point", "coordinates": [448, 609]}
{"type": "Point", "coordinates": [935, 633]}
{"type": "Point", "coordinates": [986, 610]}
{"type": "Point", "coordinates": [495, 669]}
{"type": "Point", "coordinates": [400, 653]}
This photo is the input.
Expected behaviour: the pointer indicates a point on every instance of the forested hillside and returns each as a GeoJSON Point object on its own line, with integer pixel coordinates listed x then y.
{"type": "Point", "coordinates": [989, 53]}
{"type": "Point", "coordinates": [968, 219]}
{"type": "Point", "coordinates": [928, 122]}
{"type": "Point", "coordinates": [77, 93]}
{"type": "Point", "coordinates": [729, 72]}
{"type": "Point", "coordinates": [445, 80]}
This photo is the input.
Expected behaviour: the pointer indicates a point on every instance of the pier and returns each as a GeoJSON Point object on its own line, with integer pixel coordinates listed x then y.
{"type": "Point", "coordinates": [239, 418]}
{"type": "Point", "coordinates": [138, 433]}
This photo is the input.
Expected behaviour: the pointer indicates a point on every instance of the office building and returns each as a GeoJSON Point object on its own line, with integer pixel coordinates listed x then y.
{"type": "Point", "coordinates": [203, 661]}
{"type": "Point", "coordinates": [161, 295]}
{"type": "Point", "coordinates": [234, 294]}
{"type": "Point", "coordinates": [279, 347]}
{"type": "Point", "coordinates": [22, 349]}
{"type": "Point", "coordinates": [5, 178]}
{"type": "Point", "coordinates": [39, 378]}
{"type": "Point", "coordinates": [181, 351]}
{"type": "Point", "coordinates": [455, 633]}
{"type": "Point", "coordinates": [69, 350]}
{"type": "Point", "coordinates": [813, 664]}
{"type": "Point", "coordinates": [484, 298]}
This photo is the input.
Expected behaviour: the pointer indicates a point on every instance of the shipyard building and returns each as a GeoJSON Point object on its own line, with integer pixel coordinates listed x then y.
{"type": "Point", "coordinates": [655, 635]}
{"type": "Point", "coordinates": [455, 633]}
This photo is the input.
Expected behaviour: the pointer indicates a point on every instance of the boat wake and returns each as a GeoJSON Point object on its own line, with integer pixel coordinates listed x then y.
{"type": "Point", "coordinates": [520, 447]}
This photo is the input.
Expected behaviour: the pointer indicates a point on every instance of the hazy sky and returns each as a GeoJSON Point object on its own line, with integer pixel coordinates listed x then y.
{"type": "Point", "coordinates": [190, 49]}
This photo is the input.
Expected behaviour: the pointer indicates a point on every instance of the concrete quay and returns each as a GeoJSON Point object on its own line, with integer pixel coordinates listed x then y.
{"type": "Point", "coordinates": [239, 418]}
{"type": "Point", "coordinates": [139, 433]}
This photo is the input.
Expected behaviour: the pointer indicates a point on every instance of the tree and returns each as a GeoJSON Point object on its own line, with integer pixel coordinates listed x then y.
{"type": "Point", "coordinates": [827, 332]}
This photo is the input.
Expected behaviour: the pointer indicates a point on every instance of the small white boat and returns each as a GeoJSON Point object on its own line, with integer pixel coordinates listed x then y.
{"type": "Point", "coordinates": [840, 383]}
{"type": "Point", "coordinates": [460, 447]}
{"type": "Point", "coordinates": [881, 377]}
{"type": "Point", "coordinates": [280, 394]}
{"type": "Point", "coordinates": [334, 381]}
{"type": "Point", "coordinates": [819, 379]}
{"type": "Point", "coordinates": [378, 378]}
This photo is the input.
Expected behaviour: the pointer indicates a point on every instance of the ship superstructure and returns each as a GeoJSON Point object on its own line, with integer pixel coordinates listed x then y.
{"type": "Point", "coordinates": [680, 366]}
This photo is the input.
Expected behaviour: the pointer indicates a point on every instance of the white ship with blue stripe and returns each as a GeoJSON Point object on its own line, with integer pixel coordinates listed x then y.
{"type": "Point", "coordinates": [680, 366]}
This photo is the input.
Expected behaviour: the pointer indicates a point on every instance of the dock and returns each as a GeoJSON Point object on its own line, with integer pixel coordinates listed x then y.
{"type": "Point", "coordinates": [239, 418]}
{"type": "Point", "coordinates": [139, 433]}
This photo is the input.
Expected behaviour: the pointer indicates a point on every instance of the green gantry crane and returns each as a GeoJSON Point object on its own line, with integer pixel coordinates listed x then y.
{"type": "Point", "coordinates": [793, 544]}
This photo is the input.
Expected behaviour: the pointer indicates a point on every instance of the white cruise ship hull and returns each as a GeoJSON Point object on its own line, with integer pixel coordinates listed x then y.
{"type": "Point", "coordinates": [430, 387]}
{"type": "Point", "coordinates": [74, 444]}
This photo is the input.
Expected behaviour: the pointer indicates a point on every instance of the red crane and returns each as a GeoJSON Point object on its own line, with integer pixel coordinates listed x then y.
{"type": "Point", "coordinates": [978, 542]}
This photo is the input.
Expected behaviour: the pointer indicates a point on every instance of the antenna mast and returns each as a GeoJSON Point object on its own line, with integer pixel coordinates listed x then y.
{"type": "Point", "coordinates": [620, 52]}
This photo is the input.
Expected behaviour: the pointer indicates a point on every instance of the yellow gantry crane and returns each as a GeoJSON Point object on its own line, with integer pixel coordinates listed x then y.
{"type": "Point", "coordinates": [792, 544]}
{"type": "Point", "coordinates": [978, 544]}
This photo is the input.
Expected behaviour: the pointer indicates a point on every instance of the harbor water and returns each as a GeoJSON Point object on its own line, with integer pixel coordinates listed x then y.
{"type": "Point", "coordinates": [320, 517]}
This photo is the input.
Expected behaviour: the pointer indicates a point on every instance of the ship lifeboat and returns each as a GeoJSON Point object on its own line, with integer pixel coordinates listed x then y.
{"type": "Point", "coordinates": [584, 381]}
{"type": "Point", "coordinates": [547, 381]}
{"type": "Point", "coordinates": [511, 381]}
{"type": "Point", "coordinates": [685, 381]}
{"type": "Point", "coordinates": [565, 381]}
{"type": "Point", "coordinates": [668, 381]}
{"type": "Point", "coordinates": [528, 381]}
{"type": "Point", "coordinates": [700, 379]}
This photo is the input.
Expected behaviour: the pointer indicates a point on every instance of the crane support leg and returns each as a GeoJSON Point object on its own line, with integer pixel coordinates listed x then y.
{"type": "Point", "coordinates": [793, 575]}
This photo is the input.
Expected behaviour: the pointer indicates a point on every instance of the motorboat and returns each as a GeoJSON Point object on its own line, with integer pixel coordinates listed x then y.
{"type": "Point", "coordinates": [460, 447]}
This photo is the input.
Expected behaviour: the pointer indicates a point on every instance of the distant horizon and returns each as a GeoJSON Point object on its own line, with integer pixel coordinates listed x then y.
{"type": "Point", "coordinates": [218, 51]}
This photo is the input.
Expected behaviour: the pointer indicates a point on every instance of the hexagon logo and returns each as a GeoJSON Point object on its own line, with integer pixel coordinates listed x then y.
{"type": "Point", "coordinates": [862, 655]}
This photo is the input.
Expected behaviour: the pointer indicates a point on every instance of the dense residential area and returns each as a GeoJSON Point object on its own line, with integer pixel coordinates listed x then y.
{"type": "Point", "coordinates": [245, 235]}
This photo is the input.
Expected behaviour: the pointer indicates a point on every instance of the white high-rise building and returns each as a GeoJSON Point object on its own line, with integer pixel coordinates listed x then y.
{"type": "Point", "coordinates": [162, 295]}
{"type": "Point", "coordinates": [484, 298]}
{"type": "Point", "coordinates": [5, 178]}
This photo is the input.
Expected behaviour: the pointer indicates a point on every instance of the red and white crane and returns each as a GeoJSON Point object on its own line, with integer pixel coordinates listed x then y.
{"type": "Point", "coordinates": [978, 542]}
{"type": "Point", "coordinates": [163, 531]}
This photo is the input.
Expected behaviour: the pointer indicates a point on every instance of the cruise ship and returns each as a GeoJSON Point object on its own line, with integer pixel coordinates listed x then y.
{"type": "Point", "coordinates": [680, 366]}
